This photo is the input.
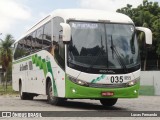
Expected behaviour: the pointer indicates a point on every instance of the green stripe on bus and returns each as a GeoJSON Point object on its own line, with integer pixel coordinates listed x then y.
{"type": "Point", "coordinates": [54, 84]}
{"type": "Point", "coordinates": [42, 64]}
{"type": "Point", "coordinates": [46, 67]}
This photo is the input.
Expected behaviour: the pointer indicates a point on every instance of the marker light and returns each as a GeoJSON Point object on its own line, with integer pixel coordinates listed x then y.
{"type": "Point", "coordinates": [73, 90]}
{"type": "Point", "coordinates": [135, 91]}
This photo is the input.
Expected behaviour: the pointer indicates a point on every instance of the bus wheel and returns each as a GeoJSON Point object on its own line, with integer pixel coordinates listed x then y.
{"type": "Point", "coordinates": [23, 95]}
{"type": "Point", "coordinates": [51, 98]}
{"type": "Point", "coordinates": [108, 102]}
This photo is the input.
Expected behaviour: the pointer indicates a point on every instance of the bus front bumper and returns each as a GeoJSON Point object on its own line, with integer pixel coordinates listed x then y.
{"type": "Point", "coordinates": [76, 91]}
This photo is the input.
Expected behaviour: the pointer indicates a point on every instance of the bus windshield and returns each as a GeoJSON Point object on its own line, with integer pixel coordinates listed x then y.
{"type": "Point", "coordinates": [103, 45]}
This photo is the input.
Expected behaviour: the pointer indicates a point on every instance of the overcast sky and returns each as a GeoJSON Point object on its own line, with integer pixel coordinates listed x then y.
{"type": "Point", "coordinates": [16, 16]}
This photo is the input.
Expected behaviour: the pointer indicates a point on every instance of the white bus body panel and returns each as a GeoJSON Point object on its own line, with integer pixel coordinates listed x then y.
{"type": "Point", "coordinates": [34, 81]}
{"type": "Point", "coordinates": [88, 77]}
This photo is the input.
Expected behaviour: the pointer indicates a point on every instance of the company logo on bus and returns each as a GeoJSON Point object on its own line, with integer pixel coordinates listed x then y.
{"type": "Point", "coordinates": [106, 71]}
{"type": "Point", "coordinates": [26, 66]}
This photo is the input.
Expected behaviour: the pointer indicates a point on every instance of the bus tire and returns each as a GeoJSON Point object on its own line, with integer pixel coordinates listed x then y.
{"type": "Point", "coordinates": [51, 98]}
{"type": "Point", "coordinates": [108, 102]}
{"type": "Point", "coordinates": [23, 95]}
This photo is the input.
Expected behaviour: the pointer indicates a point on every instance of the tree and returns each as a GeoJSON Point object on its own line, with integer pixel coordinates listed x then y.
{"type": "Point", "coordinates": [143, 48]}
{"type": "Point", "coordinates": [146, 14]}
{"type": "Point", "coordinates": [6, 55]}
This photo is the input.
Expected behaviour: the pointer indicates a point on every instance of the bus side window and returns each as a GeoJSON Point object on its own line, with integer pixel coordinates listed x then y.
{"type": "Point", "coordinates": [18, 52]}
{"type": "Point", "coordinates": [61, 45]}
{"type": "Point", "coordinates": [34, 48]}
{"type": "Point", "coordinates": [47, 36]}
{"type": "Point", "coordinates": [24, 46]}
{"type": "Point", "coordinates": [28, 44]}
{"type": "Point", "coordinates": [21, 52]}
{"type": "Point", "coordinates": [59, 51]}
{"type": "Point", "coordinates": [39, 38]}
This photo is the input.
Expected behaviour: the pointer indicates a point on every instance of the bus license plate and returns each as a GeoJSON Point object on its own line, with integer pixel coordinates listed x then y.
{"type": "Point", "coordinates": [107, 93]}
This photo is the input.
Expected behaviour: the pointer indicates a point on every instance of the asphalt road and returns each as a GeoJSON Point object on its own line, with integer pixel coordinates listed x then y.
{"type": "Point", "coordinates": [143, 103]}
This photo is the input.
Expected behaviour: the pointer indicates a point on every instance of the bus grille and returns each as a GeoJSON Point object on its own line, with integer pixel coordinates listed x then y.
{"type": "Point", "coordinates": [96, 85]}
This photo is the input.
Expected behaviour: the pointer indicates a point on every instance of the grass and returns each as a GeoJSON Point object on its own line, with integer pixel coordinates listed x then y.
{"type": "Point", "coordinates": [9, 91]}
{"type": "Point", "coordinates": [147, 90]}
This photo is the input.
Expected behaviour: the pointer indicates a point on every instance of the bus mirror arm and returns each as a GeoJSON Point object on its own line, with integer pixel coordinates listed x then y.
{"type": "Point", "coordinates": [66, 32]}
{"type": "Point", "coordinates": [148, 34]}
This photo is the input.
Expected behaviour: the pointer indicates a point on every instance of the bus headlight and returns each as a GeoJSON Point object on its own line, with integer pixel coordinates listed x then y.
{"type": "Point", "coordinates": [133, 82]}
{"type": "Point", "coordinates": [78, 81]}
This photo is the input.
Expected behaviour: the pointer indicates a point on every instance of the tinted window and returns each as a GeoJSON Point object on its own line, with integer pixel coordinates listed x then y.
{"type": "Point", "coordinates": [28, 44]}
{"type": "Point", "coordinates": [16, 51]}
{"type": "Point", "coordinates": [34, 42]}
{"type": "Point", "coordinates": [47, 35]}
{"type": "Point", "coordinates": [19, 50]}
{"type": "Point", "coordinates": [61, 46]}
{"type": "Point", "coordinates": [39, 36]}
{"type": "Point", "coordinates": [23, 48]}
{"type": "Point", "coordinates": [57, 28]}
{"type": "Point", "coordinates": [59, 51]}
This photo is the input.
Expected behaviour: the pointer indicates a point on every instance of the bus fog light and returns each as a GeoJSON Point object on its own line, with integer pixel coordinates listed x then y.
{"type": "Point", "coordinates": [73, 90]}
{"type": "Point", "coordinates": [135, 91]}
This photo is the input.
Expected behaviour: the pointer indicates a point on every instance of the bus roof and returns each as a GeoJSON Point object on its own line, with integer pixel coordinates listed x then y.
{"type": "Point", "coordinates": [82, 14]}
{"type": "Point", "coordinates": [91, 15]}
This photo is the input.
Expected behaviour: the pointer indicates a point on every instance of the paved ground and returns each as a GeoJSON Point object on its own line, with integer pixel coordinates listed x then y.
{"type": "Point", "coordinates": [143, 103]}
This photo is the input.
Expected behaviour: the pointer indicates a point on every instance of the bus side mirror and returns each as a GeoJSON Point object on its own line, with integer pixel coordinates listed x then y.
{"type": "Point", "coordinates": [66, 32]}
{"type": "Point", "coordinates": [148, 34]}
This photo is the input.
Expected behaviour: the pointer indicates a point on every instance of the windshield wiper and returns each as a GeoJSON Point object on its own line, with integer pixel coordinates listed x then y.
{"type": "Point", "coordinates": [120, 60]}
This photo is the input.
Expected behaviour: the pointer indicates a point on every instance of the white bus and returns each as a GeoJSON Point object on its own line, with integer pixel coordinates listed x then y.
{"type": "Point", "coordinates": [79, 54]}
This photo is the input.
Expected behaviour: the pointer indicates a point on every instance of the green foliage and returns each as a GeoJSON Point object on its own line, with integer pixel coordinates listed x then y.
{"type": "Point", "coordinates": [146, 14]}
{"type": "Point", "coordinates": [6, 51]}
{"type": "Point", "coordinates": [6, 56]}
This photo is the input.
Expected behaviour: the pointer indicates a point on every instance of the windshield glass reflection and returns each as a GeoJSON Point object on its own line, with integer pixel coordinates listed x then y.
{"type": "Point", "coordinates": [91, 45]}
